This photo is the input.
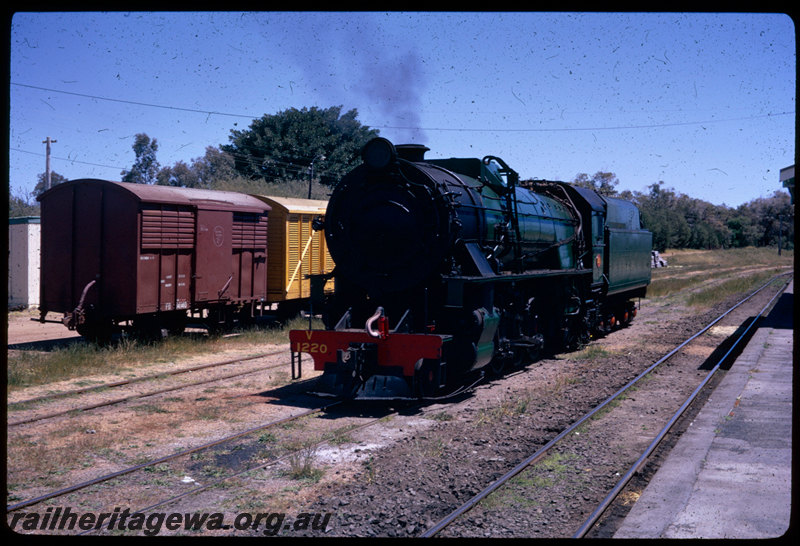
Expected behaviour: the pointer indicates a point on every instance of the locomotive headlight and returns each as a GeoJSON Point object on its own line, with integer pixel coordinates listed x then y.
{"type": "Point", "coordinates": [378, 153]}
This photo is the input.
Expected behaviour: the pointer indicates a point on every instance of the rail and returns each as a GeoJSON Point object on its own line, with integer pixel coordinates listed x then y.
{"type": "Point", "coordinates": [595, 515]}
{"type": "Point", "coordinates": [472, 502]}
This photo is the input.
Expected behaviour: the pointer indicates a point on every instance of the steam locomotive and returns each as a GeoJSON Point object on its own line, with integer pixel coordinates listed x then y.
{"type": "Point", "coordinates": [444, 267]}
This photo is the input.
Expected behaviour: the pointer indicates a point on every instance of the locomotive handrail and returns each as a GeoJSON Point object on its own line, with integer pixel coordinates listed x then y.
{"type": "Point", "coordinates": [379, 317]}
{"type": "Point", "coordinates": [512, 210]}
{"type": "Point", "coordinates": [512, 176]}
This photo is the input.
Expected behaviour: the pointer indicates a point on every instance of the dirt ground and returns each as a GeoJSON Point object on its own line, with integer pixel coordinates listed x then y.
{"type": "Point", "coordinates": [24, 327]}
{"type": "Point", "coordinates": [396, 477]}
{"type": "Point", "coordinates": [419, 481]}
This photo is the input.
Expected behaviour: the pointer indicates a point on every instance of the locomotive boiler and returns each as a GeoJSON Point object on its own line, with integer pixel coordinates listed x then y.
{"type": "Point", "coordinates": [448, 266]}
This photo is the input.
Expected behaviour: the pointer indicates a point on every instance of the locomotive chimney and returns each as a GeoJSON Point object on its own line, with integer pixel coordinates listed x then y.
{"type": "Point", "coordinates": [412, 152]}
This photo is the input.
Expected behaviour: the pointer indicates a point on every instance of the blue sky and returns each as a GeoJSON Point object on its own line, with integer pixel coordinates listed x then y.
{"type": "Point", "coordinates": [703, 102]}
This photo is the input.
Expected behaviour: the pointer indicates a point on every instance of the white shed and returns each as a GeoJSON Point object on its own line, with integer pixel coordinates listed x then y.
{"type": "Point", "coordinates": [24, 243]}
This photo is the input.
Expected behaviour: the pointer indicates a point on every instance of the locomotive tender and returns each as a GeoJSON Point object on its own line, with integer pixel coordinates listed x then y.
{"type": "Point", "coordinates": [448, 266]}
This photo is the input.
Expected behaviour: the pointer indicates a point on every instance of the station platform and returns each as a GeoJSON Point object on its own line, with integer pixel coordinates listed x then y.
{"type": "Point", "coordinates": [730, 474]}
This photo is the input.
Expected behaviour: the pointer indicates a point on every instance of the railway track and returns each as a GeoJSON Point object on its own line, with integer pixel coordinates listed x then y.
{"type": "Point", "coordinates": [250, 432]}
{"type": "Point", "coordinates": [116, 384]}
{"type": "Point", "coordinates": [150, 463]}
{"type": "Point", "coordinates": [211, 483]}
{"type": "Point", "coordinates": [208, 485]}
{"type": "Point", "coordinates": [586, 527]}
{"type": "Point", "coordinates": [122, 382]}
{"type": "Point", "coordinates": [261, 466]}
{"type": "Point", "coordinates": [569, 432]}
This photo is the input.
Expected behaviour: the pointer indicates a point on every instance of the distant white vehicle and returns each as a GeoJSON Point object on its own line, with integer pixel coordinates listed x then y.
{"type": "Point", "coordinates": [656, 260]}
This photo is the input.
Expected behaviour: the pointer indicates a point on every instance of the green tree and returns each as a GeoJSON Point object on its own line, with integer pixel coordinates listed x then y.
{"type": "Point", "coordinates": [214, 167]}
{"type": "Point", "coordinates": [180, 175]}
{"type": "Point", "coordinates": [601, 182]}
{"type": "Point", "coordinates": [145, 167]}
{"type": "Point", "coordinates": [203, 172]}
{"type": "Point", "coordinates": [771, 214]}
{"type": "Point", "coordinates": [707, 223]}
{"type": "Point", "coordinates": [41, 182]}
{"type": "Point", "coordinates": [680, 221]}
{"type": "Point", "coordinates": [22, 206]}
{"type": "Point", "coordinates": [283, 146]}
{"type": "Point", "coordinates": [743, 229]}
{"type": "Point", "coordinates": [661, 215]}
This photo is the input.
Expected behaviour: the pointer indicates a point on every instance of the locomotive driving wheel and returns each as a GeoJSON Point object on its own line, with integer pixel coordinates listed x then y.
{"type": "Point", "coordinates": [574, 334]}
{"type": "Point", "coordinates": [498, 364]}
{"type": "Point", "coordinates": [533, 350]}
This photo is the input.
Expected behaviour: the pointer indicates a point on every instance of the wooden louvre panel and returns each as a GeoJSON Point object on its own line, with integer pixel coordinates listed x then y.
{"type": "Point", "coordinates": [298, 255]}
{"type": "Point", "coordinates": [249, 231]}
{"type": "Point", "coordinates": [315, 262]}
{"type": "Point", "coordinates": [293, 244]}
{"type": "Point", "coordinates": [306, 236]}
{"type": "Point", "coordinates": [167, 227]}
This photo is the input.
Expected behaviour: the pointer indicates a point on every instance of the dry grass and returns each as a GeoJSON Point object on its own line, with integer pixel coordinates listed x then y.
{"type": "Point", "coordinates": [731, 257]}
{"type": "Point", "coordinates": [26, 368]}
{"type": "Point", "coordinates": [708, 276]}
{"type": "Point", "coordinates": [302, 463]}
{"type": "Point", "coordinates": [723, 290]}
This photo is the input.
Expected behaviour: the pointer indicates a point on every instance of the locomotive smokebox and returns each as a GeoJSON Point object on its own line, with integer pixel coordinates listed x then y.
{"type": "Point", "coordinates": [384, 231]}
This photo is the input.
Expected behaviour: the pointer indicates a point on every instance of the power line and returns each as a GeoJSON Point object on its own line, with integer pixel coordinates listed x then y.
{"type": "Point", "coordinates": [66, 159]}
{"type": "Point", "coordinates": [447, 129]}
{"type": "Point", "coordinates": [565, 129]}
{"type": "Point", "coordinates": [296, 167]}
{"type": "Point", "coordinates": [137, 103]}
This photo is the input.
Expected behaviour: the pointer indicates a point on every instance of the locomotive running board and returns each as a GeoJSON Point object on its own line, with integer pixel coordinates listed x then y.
{"type": "Point", "coordinates": [455, 283]}
{"type": "Point", "coordinates": [507, 277]}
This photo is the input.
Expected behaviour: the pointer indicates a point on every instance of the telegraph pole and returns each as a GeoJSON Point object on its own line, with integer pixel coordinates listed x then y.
{"type": "Point", "coordinates": [47, 163]}
{"type": "Point", "coordinates": [321, 157]}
